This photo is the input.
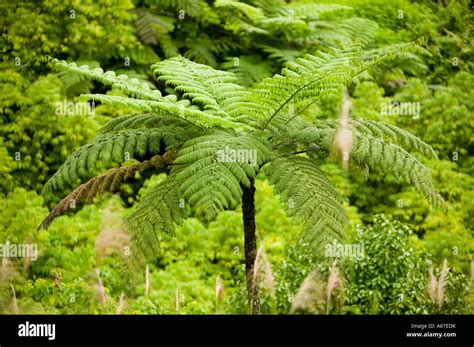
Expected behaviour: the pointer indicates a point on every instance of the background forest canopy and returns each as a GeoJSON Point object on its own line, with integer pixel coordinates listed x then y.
{"type": "Point", "coordinates": [400, 254]}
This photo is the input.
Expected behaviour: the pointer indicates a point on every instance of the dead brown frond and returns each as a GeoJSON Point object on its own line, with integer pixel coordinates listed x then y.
{"type": "Point", "coordinates": [109, 181]}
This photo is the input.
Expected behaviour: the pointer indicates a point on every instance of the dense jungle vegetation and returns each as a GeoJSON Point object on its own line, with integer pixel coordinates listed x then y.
{"type": "Point", "coordinates": [118, 123]}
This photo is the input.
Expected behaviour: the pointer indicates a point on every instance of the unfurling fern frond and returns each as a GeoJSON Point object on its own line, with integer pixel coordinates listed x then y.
{"type": "Point", "coordinates": [154, 217]}
{"type": "Point", "coordinates": [309, 198]}
{"type": "Point", "coordinates": [109, 181]}
{"type": "Point", "coordinates": [109, 148]}
{"type": "Point", "coordinates": [215, 167]}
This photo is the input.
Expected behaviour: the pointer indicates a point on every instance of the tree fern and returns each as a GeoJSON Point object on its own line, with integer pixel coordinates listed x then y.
{"type": "Point", "coordinates": [223, 136]}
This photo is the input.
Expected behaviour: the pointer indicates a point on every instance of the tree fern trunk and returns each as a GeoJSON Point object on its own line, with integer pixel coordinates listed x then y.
{"type": "Point", "coordinates": [250, 241]}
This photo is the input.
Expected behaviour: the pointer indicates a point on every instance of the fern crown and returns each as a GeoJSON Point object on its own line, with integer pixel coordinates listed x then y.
{"type": "Point", "coordinates": [213, 137]}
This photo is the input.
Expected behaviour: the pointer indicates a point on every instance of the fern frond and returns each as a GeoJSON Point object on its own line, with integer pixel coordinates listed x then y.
{"type": "Point", "coordinates": [148, 120]}
{"type": "Point", "coordinates": [248, 69]}
{"type": "Point", "coordinates": [154, 217]}
{"type": "Point", "coordinates": [131, 86]}
{"type": "Point", "coordinates": [109, 181]}
{"type": "Point", "coordinates": [377, 154]}
{"type": "Point", "coordinates": [340, 33]}
{"type": "Point", "coordinates": [110, 148]}
{"type": "Point", "coordinates": [305, 79]}
{"type": "Point", "coordinates": [390, 158]}
{"type": "Point", "coordinates": [200, 52]}
{"type": "Point", "coordinates": [253, 13]}
{"type": "Point", "coordinates": [215, 167]}
{"type": "Point", "coordinates": [312, 11]}
{"type": "Point", "coordinates": [180, 109]}
{"type": "Point", "coordinates": [309, 198]}
{"type": "Point", "coordinates": [212, 89]}
{"type": "Point", "coordinates": [154, 30]}
{"type": "Point", "coordinates": [387, 131]}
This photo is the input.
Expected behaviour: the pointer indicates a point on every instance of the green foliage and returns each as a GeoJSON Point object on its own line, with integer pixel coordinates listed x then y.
{"type": "Point", "coordinates": [180, 117]}
{"type": "Point", "coordinates": [391, 277]}
{"type": "Point", "coordinates": [33, 132]}
{"type": "Point", "coordinates": [65, 28]}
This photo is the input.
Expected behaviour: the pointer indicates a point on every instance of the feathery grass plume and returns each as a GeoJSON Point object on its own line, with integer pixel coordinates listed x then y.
{"type": "Point", "coordinates": [442, 284]}
{"type": "Point", "coordinates": [255, 280]}
{"type": "Point", "coordinates": [13, 304]}
{"type": "Point", "coordinates": [219, 291]}
{"type": "Point", "coordinates": [334, 281]}
{"type": "Point", "coordinates": [310, 295]}
{"type": "Point", "coordinates": [437, 286]}
{"type": "Point", "coordinates": [472, 269]}
{"type": "Point", "coordinates": [57, 279]}
{"type": "Point", "coordinates": [111, 238]}
{"type": "Point", "coordinates": [344, 140]}
{"type": "Point", "coordinates": [147, 280]}
{"type": "Point", "coordinates": [100, 289]}
{"type": "Point", "coordinates": [268, 277]}
{"type": "Point", "coordinates": [121, 304]}
{"type": "Point", "coordinates": [256, 269]}
{"type": "Point", "coordinates": [433, 283]}
{"type": "Point", "coordinates": [263, 269]}
{"type": "Point", "coordinates": [7, 269]}
{"type": "Point", "coordinates": [176, 301]}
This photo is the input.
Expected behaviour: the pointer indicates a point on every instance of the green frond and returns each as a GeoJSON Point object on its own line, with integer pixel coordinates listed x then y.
{"type": "Point", "coordinates": [248, 69]}
{"type": "Point", "coordinates": [309, 198]}
{"type": "Point", "coordinates": [281, 55]}
{"type": "Point", "coordinates": [110, 148]}
{"type": "Point", "coordinates": [148, 120]}
{"type": "Point", "coordinates": [253, 13]}
{"type": "Point", "coordinates": [301, 81]}
{"type": "Point", "coordinates": [311, 11]}
{"type": "Point", "coordinates": [154, 217]}
{"type": "Point", "coordinates": [154, 30]}
{"type": "Point", "coordinates": [213, 167]}
{"type": "Point", "coordinates": [109, 181]}
{"type": "Point", "coordinates": [200, 52]}
{"type": "Point", "coordinates": [131, 86]}
{"type": "Point", "coordinates": [179, 109]}
{"type": "Point", "coordinates": [214, 90]}
{"type": "Point", "coordinates": [390, 158]}
{"type": "Point", "coordinates": [338, 33]}
{"type": "Point", "coordinates": [377, 154]}
{"type": "Point", "coordinates": [390, 132]}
